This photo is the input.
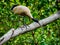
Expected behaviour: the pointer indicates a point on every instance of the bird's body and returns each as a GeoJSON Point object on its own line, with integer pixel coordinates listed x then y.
{"type": "Point", "coordinates": [23, 11]}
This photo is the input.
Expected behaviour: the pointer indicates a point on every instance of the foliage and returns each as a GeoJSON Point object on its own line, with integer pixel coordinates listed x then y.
{"type": "Point", "coordinates": [40, 9]}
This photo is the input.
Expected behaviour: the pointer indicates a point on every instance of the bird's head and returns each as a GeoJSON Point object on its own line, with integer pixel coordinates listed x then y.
{"type": "Point", "coordinates": [14, 6]}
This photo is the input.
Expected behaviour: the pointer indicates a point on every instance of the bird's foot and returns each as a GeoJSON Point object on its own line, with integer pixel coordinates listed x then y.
{"type": "Point", "coordinates": [25, 26]}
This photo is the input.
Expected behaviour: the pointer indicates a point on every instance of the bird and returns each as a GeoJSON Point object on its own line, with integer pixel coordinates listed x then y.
{"type": "Point", "coordinates": [23, 11]}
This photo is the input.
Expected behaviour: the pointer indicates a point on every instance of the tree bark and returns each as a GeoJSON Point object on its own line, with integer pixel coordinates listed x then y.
{"type": "Point", "coordinates": [14, 32]}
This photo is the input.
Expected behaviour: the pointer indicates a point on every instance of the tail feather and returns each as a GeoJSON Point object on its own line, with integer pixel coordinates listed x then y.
{"type": "Point", "coordinates": [35, 20]}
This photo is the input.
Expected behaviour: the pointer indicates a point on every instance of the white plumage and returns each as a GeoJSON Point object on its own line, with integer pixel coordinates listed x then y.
{"type": "Point", "coordinates": [22, 10]}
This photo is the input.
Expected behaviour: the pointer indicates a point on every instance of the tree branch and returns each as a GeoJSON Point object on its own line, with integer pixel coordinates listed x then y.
{"type": "Point", "coordinates": [32, 26]}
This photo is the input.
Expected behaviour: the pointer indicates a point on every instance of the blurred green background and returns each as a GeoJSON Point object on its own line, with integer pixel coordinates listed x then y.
{"type": "Point", "coordinates": [40, 9]}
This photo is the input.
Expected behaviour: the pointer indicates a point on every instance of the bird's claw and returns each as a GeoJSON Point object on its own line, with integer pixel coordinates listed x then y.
{"type": "Point", "coordinates": [25, 26]}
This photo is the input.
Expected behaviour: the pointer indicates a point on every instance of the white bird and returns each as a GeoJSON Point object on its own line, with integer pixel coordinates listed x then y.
{"type": "Point", "coordinates": [23, 11]}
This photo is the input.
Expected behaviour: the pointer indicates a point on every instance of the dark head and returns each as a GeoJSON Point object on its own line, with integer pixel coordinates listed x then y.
{"type": "Point", "coordinates": [13, 6]}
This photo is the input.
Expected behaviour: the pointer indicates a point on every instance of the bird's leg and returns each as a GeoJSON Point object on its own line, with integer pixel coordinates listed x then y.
{"type": "Point", "coordinates": [24, 22]}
